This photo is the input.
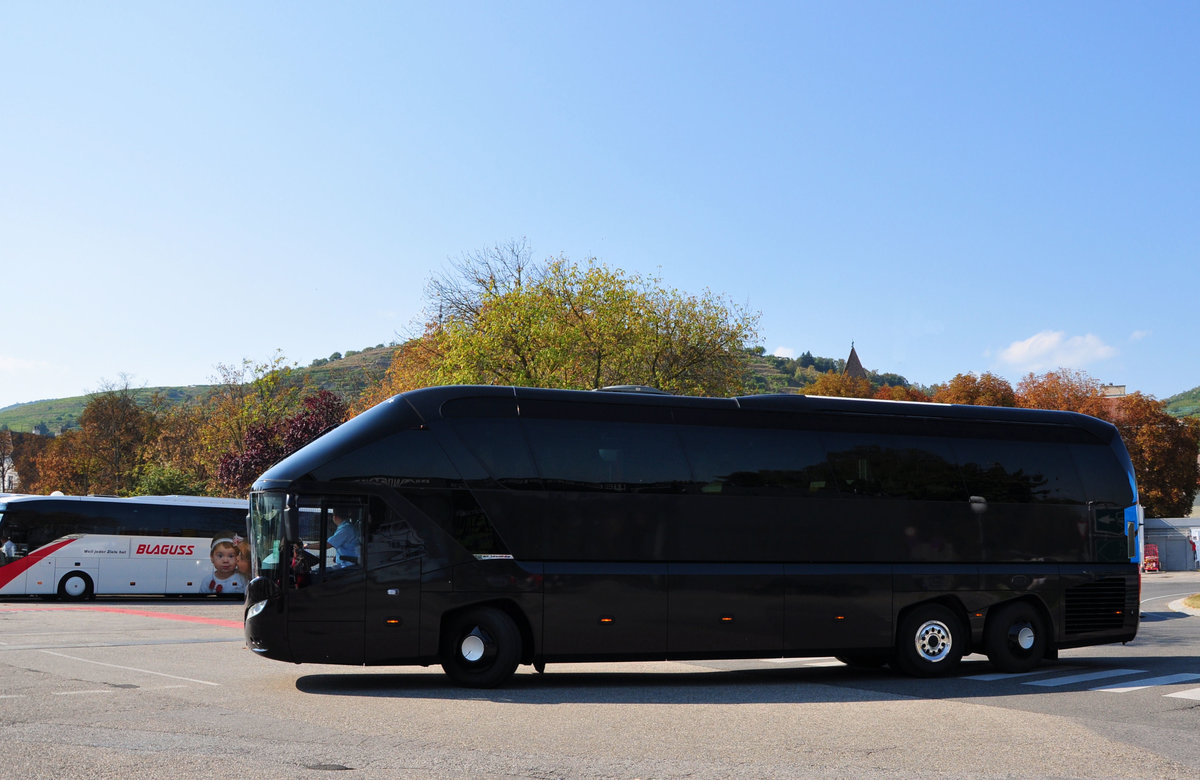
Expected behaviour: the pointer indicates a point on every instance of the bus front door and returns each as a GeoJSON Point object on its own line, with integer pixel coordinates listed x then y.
{"type": "Point", "coordinates": [325, 602]}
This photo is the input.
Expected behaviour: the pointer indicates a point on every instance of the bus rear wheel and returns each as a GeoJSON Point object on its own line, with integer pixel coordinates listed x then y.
{"type": "Point", "coordinates": [931, 641]}
{"type": "Point", "coordinates": [1015, 639]}
{"type": "Point", "coordinates": [480, 647]}
{"type": "Point", "coordinates": [76, 586]}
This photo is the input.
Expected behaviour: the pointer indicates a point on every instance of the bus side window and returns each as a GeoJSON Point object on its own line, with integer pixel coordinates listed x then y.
{"type": "Point", "coordinates": [499, 445]}
{"type": "Point", "coordinates": [751, 461]}
{"type": "Point", "coordinates": [391, 538]}
{"type": "Point", "coordinates": [1020, 472]}
{"type": "Point", "coordinates": [608, 456]}
{"type": "Point", "coordinates": [918, 468]}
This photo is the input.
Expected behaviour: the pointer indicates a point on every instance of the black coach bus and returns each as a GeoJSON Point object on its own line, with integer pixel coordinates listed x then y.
{"type": "Point", "coordinates": [491, 527]}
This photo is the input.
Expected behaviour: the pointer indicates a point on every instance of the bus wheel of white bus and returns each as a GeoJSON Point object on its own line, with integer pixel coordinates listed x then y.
{"type": "Point", "coordinates": [481, 647]}
{"type": "Point", "coordinates": [1015, 639]}
{"type": "Point", "coordinates": [75, 586]}
{"type": "Point", "coordinates": [931, 641]}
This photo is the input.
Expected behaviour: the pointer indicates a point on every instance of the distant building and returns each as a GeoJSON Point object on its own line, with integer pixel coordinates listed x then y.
{"type": "Point", "coordinates": [854, 367]}
{"type": "Point", "coordinates": [11, 480]}
{"type": "Point", "coordinates": [1113, 391]}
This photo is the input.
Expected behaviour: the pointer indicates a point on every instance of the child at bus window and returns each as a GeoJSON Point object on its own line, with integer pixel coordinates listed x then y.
{"type": "Point", "coordinates": [225, 578]}
{"type": "Point", "coordinates": [243, 558]}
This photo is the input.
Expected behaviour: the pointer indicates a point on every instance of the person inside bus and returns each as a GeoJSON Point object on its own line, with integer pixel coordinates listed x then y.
{"type": "Point", "coordinates": [8, 551]}
{"type": "Point", "coordinates": [344, 539]}
{"type": "Point", "coordinates": [225, 578]}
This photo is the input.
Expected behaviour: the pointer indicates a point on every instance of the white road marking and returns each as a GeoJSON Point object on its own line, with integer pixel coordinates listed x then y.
{"type": "Point", "coordinates": [128, 668]}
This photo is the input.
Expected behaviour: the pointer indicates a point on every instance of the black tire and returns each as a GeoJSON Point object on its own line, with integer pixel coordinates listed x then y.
{"type": "Point", "coordinates": [76, 586]}
{"type": "Point", "coordinates": [1016, 637]}
{"type": "Point", "coordinates": [931, 641]}
{"type": "Point", "coordinates": [480, 647]}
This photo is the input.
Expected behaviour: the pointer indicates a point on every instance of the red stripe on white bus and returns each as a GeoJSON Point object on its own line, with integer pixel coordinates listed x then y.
{"type": "Point", "coordinates": [11, 571]}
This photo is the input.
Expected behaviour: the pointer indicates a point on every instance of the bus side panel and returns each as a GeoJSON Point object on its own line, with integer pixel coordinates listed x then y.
{"type": "Point", "coordinates": [1099, 604]}
{"type": "Point", "coordinates": [837, 607]}
{"type": "Point", "coordinates": [958, 584]}
{"type": "Point", "coordinates": [13, 583]}
{"type": "Point", "coordinates": [325, 620]}
{"type": "Point", "coordinates": [393, 613]}
{"type": "Point", "coordinates": [1036, 532]}
{"type": "Point", "coordinates": [725, 609]}
{"type": "Point", "coordinates": [185, 575]}
{"type": "Point", "coordinates": [40, 579]}
{"type": "Point", "coordinates": [594, 610]}
{"type": "Point", "coordinates": [144, 575]}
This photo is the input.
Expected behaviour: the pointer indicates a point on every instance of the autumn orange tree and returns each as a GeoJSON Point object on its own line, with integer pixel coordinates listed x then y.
{"type": "Point", "coordinates": [103, 455]}
{"type": "Point", "coordinates": [124, 446]}
{"type": "Point", "coordinates": [987, 389]}
{"type": "Point", "coordinates": [834, 383]}
{"type": "Point", "coordinates": [1163, 448]}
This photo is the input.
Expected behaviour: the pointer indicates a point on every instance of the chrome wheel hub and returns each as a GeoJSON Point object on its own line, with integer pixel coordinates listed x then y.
{"type": "Point", "coordinates": [933, 641]}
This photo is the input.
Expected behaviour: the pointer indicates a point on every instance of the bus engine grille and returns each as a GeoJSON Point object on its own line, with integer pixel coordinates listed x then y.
{"type": "Point", "coordinates": [1096, 606]}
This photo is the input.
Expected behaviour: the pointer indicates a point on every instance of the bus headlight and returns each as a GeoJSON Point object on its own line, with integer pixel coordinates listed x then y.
{"type": "Point", "coordinates": [255, 608]}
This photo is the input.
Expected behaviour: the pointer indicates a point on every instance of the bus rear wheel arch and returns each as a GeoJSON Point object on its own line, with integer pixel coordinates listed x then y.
{"type": "Point", "coordinates": [75, 586]}
{"type": "Point", "coordinates": [1016, 637]}
{"type": "Point", "coordinates": [931, 640]}
{"type": "Point", "coordinates": [480, 647]}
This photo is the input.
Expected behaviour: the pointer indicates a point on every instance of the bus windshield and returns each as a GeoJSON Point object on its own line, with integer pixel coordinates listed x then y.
{"type": "Point", "coordinates": [268, 514]}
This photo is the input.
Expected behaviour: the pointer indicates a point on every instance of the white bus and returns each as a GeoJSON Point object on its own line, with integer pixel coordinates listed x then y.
{"type": "Point", "coordinates": [76, 547]}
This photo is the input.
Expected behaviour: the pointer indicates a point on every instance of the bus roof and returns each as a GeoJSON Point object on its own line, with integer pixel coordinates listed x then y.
{"type": "Point", "coordinates": [421, 407]}
{"type": "Point", "coordinates": [156, 500]}
{"type": "Point", "coordinates": [427, 403]}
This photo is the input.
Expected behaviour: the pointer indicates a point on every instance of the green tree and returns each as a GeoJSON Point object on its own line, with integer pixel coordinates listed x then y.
{"type": "Point", "coordinates": [502, 319]}
{"type": "Point", "coordinates": [246, 396]}
{"type": "Point", "coordinates": [155, 479]}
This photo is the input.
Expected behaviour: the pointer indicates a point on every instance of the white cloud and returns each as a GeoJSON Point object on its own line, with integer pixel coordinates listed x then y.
{"type": "Point", "coordinates": [1138, 335]}
{"type": "Point", "coordinates": [14, 365]}
{"type": "Point", "coordinates": [1053, 349]}
{"type": "Point", "coordinates": [784, 352]}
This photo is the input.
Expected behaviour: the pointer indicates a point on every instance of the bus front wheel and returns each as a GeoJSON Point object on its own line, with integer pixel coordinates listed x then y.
{"type": "Point", "coordinates": [76, 586]}
{"type": "Point", "coordinates": [1015, 639]}
{"type": "Point", "coordinates": [480, 647]}
{"type": "Point", "coordinates": [931, 641]}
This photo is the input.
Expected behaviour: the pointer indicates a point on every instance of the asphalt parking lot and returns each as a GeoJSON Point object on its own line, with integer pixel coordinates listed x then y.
{"type": "Point", "coordinates": [166, 688]}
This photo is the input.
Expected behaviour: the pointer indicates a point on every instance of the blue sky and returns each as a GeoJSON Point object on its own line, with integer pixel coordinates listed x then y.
{"type": "Point", "coordinates": [954, 187]}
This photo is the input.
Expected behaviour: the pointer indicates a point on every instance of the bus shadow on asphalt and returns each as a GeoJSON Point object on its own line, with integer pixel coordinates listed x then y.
{"type": "Point", "coordinates": [561, 684]}
{"type": "Point", "coordinates": [1158, 617]}
{"type": "Point", "coordinates": [755, 685]}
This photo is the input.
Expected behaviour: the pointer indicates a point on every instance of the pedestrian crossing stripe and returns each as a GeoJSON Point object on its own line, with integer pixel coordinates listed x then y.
{"type": "Point", "coordinates": [1194, 693]}
{"type": "Point", "coordinates": [1150, 682]}
{"type": "Point", "coordinates": [1086, 677]}
{"type": "Point", "coordinates": [1052, 682]}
